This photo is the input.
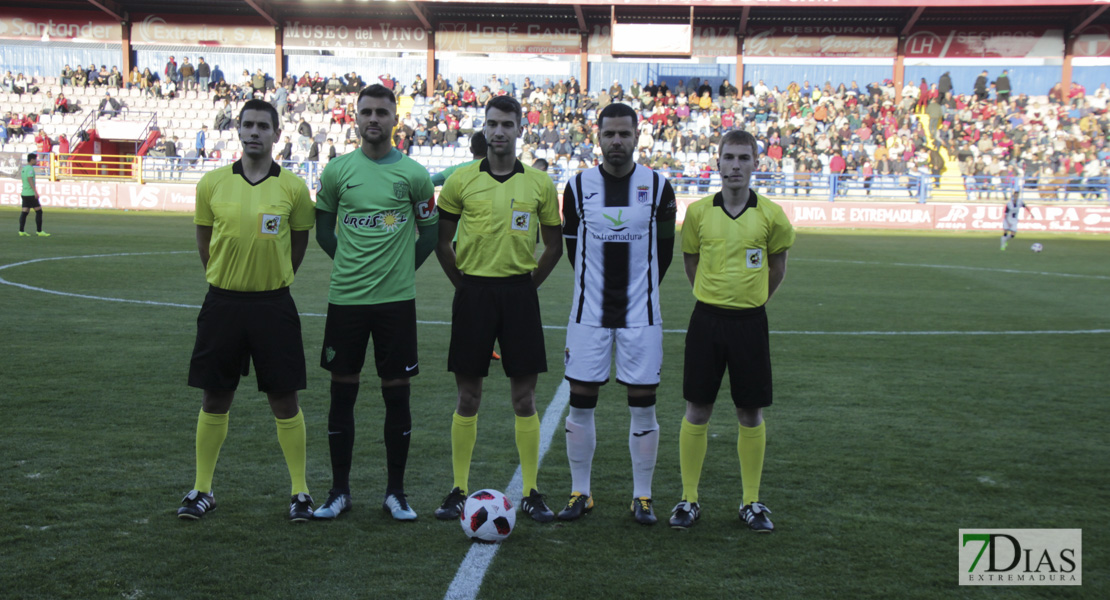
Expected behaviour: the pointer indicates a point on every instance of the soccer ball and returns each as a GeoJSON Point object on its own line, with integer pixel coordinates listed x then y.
{"type": "Point", "coordinates": [488, 516]}
{"type": "Point", "coordinates": [1036, 247]}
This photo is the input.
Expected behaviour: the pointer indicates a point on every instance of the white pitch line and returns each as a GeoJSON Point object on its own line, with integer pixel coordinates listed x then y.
{"type": "Point", "coordinates": [563, 327]}
{"type": "Point", "coordinates": [468, 578]}
{"type": "Point", "coordinates": [955, 267]}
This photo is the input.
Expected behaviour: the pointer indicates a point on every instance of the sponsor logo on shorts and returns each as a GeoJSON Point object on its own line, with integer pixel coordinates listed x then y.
{"type": "Point", "coordinates": [521, 220]}
{"type": "Point", "coordinates": [329, 353]}
{"type": "Point", "coordinates": [566, 356]}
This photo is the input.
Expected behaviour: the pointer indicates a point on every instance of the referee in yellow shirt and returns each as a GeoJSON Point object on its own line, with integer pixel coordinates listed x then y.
{"type": "Point", "coordinates": [734, 246]}
{"type": "Point", "coordinates": [253, 219]}
{"type": "Point", "coordinates": [496, 205]}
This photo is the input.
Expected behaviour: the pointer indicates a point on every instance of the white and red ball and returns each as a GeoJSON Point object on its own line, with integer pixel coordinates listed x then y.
{"type": "Point", "coordinates": [488, 515]}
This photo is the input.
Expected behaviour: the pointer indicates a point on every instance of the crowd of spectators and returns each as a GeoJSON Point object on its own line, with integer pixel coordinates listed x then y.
{"type": "Point", "coordinates": [806, 132]}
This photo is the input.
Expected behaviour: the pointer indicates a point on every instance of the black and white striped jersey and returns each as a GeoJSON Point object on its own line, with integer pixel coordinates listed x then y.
{"type": "Point", "coordinates": [614, 222]}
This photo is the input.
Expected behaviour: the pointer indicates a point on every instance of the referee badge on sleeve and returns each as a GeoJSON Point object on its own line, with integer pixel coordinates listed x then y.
{"type": "Point", "coordinates": [754, 258]}
{"type": "Point", "coordinates": [269, 225]}
{"type": "Point", "coordinates": [521, 220]}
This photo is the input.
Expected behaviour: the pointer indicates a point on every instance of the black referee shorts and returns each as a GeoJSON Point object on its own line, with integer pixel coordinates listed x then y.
{"type": "Point", "coordinates": [31, 202]}
{"type": "Point", "coordinates": [348, 330]}
{"type": "Point", "coordinates": [719, 337]}
{"type": "Point", "coordinates": [506, 309]}
{"type": "Point", "coordinates": [234, 327]}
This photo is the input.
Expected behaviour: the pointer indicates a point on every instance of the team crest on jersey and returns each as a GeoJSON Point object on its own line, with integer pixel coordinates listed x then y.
{"type": "Point", "coordinates": [754, 258]}
{"type": "Point", "coordinates": [270, 224]}
{"type": "Point", "coordinates": [521, 220]}
{"type": "Point", "coordinates": [401, 189]}
{"type": "Point", "coordinates": [642, 194]}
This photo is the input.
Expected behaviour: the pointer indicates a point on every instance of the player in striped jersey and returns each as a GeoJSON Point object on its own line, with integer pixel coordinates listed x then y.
{"type": "Point", "coordinates": [618, 223]}
{"type": "Point", "coordinates": [1014, 206]}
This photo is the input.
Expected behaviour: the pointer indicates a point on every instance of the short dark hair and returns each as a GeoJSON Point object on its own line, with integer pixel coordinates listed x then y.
{"type": "Point", "coordinates": [617, 110]}
{"type": "Point", "coordinates": [377, 91]}
{"type": "Point", "coordinates": [541, 164]}
{"type": "Point", "coordinates": [32, 156]}
{"type": "Point", "coordinates": [507, 104]}
{"type": "Point", "coordinates": [478, 145]}
{"type": "Point", "coordinates": [734, 137]}
{"type": "Point", "coordinates": [256, 104]}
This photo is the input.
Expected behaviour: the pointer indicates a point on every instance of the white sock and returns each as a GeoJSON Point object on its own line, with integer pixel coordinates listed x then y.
{"type": "Point", "coordinates": [581, 441]}
{"type": "Point", "coordinates": [643, 445]}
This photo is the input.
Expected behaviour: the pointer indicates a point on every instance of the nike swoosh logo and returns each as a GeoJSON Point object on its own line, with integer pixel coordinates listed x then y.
{"type": "Point", "coordinates": [642, 433]}
{"type": "Point", "coordinates": [408, 369]}
{"type": "Point", "coordinates": [407, 432]}
{"type": "Point", "coordinates": [349, 186]}
{"type": "Point", "coordinates": [334, 432]}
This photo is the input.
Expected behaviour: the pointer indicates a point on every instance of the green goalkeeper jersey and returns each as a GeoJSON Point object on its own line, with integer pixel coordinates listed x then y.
{"type": "Point", "coordinates": [378, 204]}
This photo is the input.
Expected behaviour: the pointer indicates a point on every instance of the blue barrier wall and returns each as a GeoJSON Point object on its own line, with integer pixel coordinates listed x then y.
{"type": "Point", "coordinates": [1030, 80]}
{"type": "Point", "coordinates": [782, 75]}
{"type": "Point", "coordinates": [229, 64]}
{"type": "Point", "coordinates": [403, 70]}
{"type": "Point", "coordinates": [47, 60]}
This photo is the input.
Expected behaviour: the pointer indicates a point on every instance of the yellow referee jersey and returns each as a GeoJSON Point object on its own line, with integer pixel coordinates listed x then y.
{"type": "Point", "coordinates": [497, 217]}
{"type": "Point", "coordinates": [251, 224]}
{"type": "Point", "coordinates": [732, 252]}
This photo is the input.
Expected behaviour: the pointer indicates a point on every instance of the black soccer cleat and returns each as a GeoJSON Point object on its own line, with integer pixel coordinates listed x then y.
{"type": "Point", "coordinates": [755, 515]}
{"type": "Point", "coordinates": [195, 504]}
{"type": "Point", "coordinates": [642, 511]}
{"type": "Point", "coordinates": [534, 506]}
{"type": "Point", "coordinates": [300, 508]}
{"type": "Point", "coordinates": [452, 506]}
{"type": "Point", "coordinates": [685, 514]}
{"type": "Point", "coordinates": [578, 505]}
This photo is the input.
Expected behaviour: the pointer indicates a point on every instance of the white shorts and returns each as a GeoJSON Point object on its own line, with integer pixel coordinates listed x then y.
{"type": "Point", "coordinates": [639, 354]}
{"type": "Point", "coordinates": [1009, 224]}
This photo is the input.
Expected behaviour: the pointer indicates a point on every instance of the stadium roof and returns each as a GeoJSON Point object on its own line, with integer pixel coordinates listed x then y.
{"type": "Point", "coordinates": [1067, 14]}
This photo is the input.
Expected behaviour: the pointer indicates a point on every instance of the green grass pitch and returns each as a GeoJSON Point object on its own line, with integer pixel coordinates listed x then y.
{"type": "Point", "coordinates": [920, 389]}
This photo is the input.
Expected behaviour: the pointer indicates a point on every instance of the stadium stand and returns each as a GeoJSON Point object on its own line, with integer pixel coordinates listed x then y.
{"type": "Point", "coordinates": [824, 139]}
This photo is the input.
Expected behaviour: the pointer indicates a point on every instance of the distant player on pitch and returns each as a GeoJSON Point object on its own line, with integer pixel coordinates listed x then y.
{"type": "Point", "coordinates": [379, 197]}
{"type": "Point", "coordinates": [1010, 218]}
{"type": "Point", "coordinates": [30, 197]}
{"type": "Point", "coordinates": [734, 246]}
{"type": "Point", "coordinates": [253, 219]}
{"type": "Point", "coordinates": [497, 204]}
{"type": "Point", "coordinates": [618, 222]}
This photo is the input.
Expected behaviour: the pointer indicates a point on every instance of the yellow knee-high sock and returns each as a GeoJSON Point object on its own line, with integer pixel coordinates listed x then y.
{"type": "Point", "coordinates": [464, 433]}
{"type": "Point", "coordinates": [692, 441]}
{"type": "Point", "coordinates": [291, 436]}
{"type": "Point", "coordinates": [528, 445]}
{"type": "Point", "coordinates": [751, 445]}
{"type": "Point", "coordinates": [211, 432]}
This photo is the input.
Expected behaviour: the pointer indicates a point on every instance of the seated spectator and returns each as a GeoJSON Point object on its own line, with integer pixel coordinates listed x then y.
{"type": "Point", "coordinates": [109, 106]}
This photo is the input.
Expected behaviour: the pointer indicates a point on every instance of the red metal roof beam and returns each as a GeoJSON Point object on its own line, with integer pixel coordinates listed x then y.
{"type": "Point", "coordinates": [421, 15]}
{"type": "Point", "coordinates": [581, 17]}
{"type": "Point", "coordinates": [744, 13]}
{"type": "Point", "coordinates": [913, 20]}
{"type": "Point", "coordinates": [1085, 22]}
{"type": "Point", "coordinates": [111, 8]}
{"type": "Point", "coordinates": [261, 9]}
